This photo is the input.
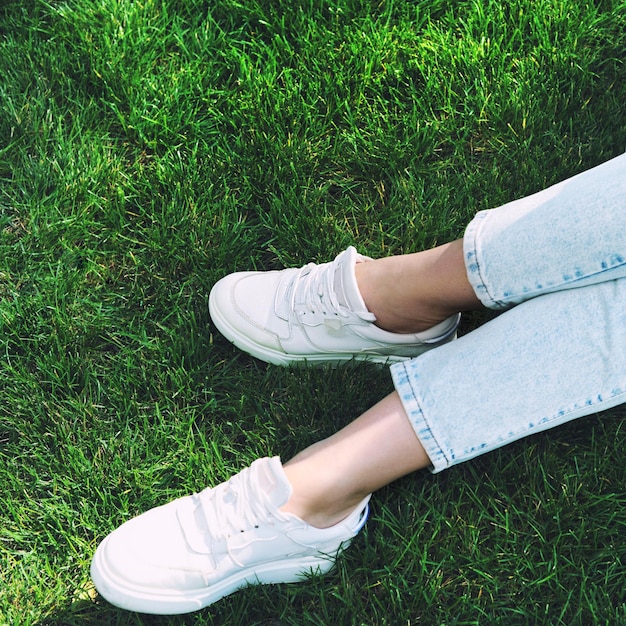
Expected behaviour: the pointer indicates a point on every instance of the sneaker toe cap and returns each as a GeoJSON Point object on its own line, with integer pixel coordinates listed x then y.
{"type": "Point", "coordinates": [147, 556]}
{"type": "Point", "coordinates": [242, 306]}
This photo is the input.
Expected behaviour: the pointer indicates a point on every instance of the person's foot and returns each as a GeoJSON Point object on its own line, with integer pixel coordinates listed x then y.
{"type": "Point", "coordinates": [315, 314]}
{"type": "Point", "coordinates": [188, 554]}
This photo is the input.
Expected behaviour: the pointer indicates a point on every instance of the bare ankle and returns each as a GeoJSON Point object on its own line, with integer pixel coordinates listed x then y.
{"type": "Point", "coordinates": [323, 515]}
{"type": "Point", "coordinates": [380, 283]}
{"type": "Point", "coordinates": [318, 497]}
{"type": "Point", "coordinates": [413, 292]}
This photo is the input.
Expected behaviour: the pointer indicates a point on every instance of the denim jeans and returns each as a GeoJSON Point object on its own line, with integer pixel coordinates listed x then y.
{"type": "Point", "coordinates": [555, 262]}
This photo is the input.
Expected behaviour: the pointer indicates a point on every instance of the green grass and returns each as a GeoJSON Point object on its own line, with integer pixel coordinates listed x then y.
{"type": "Point", "coordinates": [147, 148]}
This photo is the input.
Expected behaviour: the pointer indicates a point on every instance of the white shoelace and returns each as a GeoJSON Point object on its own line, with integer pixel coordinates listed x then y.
{"type": "Point", "coordinates": [314, 286]}
{"type": "Point", "coordinates": [235, 506]}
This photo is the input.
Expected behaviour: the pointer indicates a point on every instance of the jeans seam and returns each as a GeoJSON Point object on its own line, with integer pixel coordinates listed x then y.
{"type": "Point", "coordinates": [563, 286]}
{"type": "Point", "coordinates": [546, 421]}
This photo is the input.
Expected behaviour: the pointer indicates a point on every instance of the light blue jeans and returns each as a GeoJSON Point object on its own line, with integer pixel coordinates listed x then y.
{"type": "Point", "coordinates": [557, 261]}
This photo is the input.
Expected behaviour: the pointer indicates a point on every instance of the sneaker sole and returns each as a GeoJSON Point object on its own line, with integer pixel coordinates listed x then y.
{"type": "Point", "coordinates": [166, 602]}
{"type": "Point", "coordinates": [280, 358]}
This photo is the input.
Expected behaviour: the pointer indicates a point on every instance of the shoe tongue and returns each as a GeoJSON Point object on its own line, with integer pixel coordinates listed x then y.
{"type": "Point", "coordinates": [272, 480]}
{"type": "Point", "coordinates": [346, 289]}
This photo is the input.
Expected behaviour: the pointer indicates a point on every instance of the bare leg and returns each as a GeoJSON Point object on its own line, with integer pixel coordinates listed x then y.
{"type": "Point", "coordinates": [412, 292]}
{"type": "Point", "coordinates": [331, 477]}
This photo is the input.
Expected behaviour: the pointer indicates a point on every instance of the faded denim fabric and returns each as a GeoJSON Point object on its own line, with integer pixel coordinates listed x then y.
{"type": "Point", "coordinates": [559, 256]}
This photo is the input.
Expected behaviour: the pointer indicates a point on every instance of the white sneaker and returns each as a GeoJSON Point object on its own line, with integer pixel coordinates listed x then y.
{"type": "Point", "coordinates": [314, 314]}
{"type": "Point", "coordinates": [189, 553]}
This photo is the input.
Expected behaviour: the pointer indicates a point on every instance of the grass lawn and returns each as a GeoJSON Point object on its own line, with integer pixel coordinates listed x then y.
{"type": "Point", "coordinates": [149, 147]}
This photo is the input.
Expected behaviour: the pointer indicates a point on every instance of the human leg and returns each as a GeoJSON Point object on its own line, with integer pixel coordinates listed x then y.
{"type": "Point", "coordinates": [546, 362]}
{"type": "Point", "coordinates": [566, 236]}
{"type": "Point", "coordinates": [543, 363]}
{"type": "Point", "coordinates": [569, 235]}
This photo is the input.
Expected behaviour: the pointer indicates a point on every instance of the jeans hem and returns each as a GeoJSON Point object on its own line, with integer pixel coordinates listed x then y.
{"type": "Point", "coordinates": [473, 262]}
{"type": "Point", "coordinates": [426, 436]}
